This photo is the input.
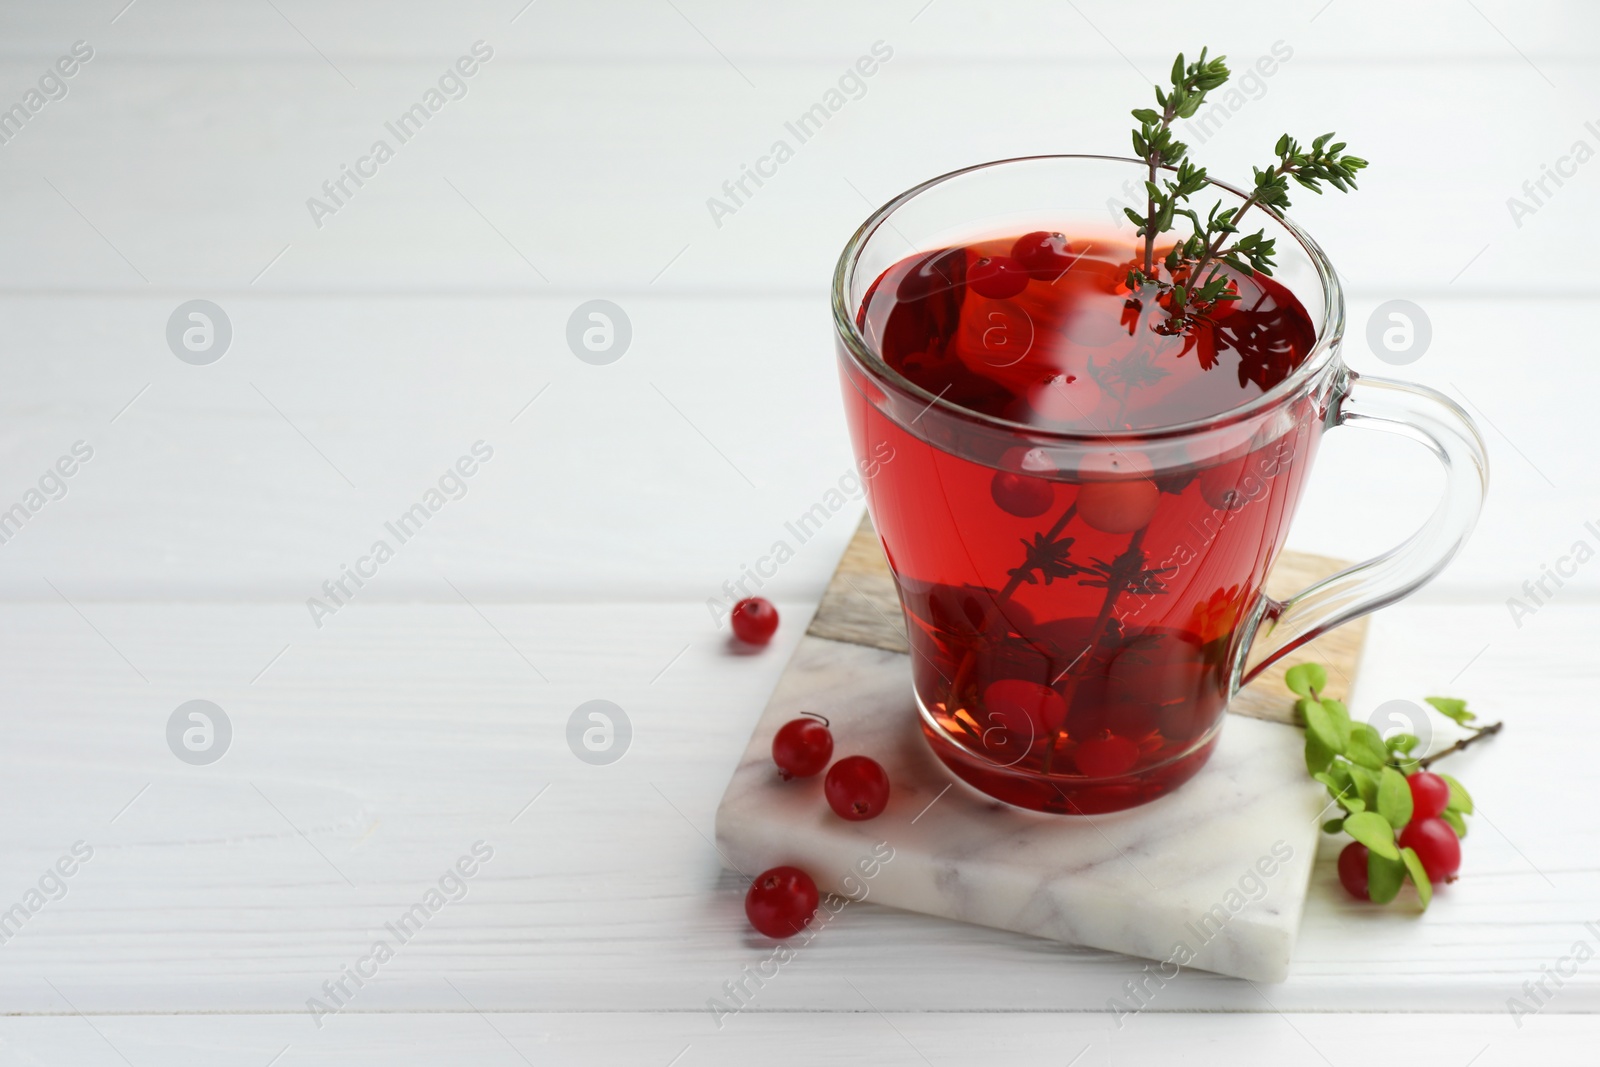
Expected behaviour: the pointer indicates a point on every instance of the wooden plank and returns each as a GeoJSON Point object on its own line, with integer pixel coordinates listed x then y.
{"type": "Point", "coordinates": [861, 607]}
{"type": "Point", "coordinates": [591, 34]}
{"type": "Point", "coordinates": [274, 131]}
{"type": "Point", "coordinates": [857, 1033]}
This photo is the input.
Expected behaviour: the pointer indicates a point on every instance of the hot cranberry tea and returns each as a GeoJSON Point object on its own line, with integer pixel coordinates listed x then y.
{"type": "Point", "coordinates": [1074, 623]}
{"type": "Point", "coordinates": [1099, 444]}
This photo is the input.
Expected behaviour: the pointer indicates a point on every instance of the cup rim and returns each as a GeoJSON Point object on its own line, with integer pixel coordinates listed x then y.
{"type": "Point", "coordinates": [1321, 354]}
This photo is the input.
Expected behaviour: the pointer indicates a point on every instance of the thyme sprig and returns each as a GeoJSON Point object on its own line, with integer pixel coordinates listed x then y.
{"type": "Point", "coordinates": [1153, 142]}
{"type": "Point", "coordinates": [1192, 279]}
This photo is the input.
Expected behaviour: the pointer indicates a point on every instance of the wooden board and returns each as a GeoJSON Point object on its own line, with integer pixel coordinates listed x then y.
{"type": "Point", "coordinates": [861, 607]}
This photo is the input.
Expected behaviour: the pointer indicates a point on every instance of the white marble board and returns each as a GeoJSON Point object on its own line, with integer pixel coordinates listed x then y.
{"type": "Point", "coordinates": [1212, 877]}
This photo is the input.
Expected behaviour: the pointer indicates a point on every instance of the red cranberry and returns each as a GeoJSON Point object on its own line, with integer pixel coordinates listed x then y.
{"type": "Point", "coordinates": [1043, 255]}
{"type": "Point", "coordinates": [1118, 507]}
{"type": "Point", "coordinates": [1436, 845]}
{"type": "Point", "coordinates": [1028, 709]}
{"type": "Point", "coordinates": [781, 901]}
{"type": "Point", "coordinates": [754, 620]}
{"type": "Point", "coordinates": [997, 277]}
{"type": "Point", "coordinates": [1107, 757]}
{"type": "Point", "coordinates": [1020, 495]}
{"type": "Point", "coordinates": [857, 788]}
{"type": "Point", "coordinates": [802, 747]}
{"type": "Point", "coordinates": [1014, 488]}
{"type": "Point", "coordinates": [1353, 870]}
{"type": "Point", "coordinates": [1430, 795]}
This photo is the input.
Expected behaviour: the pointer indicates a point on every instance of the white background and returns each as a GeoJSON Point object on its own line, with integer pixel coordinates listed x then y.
{"type": "Point", "coordinates": [372, 351]}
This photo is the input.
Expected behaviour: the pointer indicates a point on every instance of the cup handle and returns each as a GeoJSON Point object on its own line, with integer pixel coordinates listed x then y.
{"type": "Point", "coordinates": [1437, 421]}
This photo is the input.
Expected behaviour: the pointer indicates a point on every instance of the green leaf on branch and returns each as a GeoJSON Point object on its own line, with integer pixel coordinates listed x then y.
{"type": "Point", "coordinates": [1318, 755]}
{"type": "Point", "coordinates": [1366, 747]}
{"type": "Point", "coordinates": [1306, 678]}
{"type": "Point", "coordinates": [1340, 786]}
{"type": "Point", "coordinates": [1402, 743]}
{"type": "Point", "coordinates": [1350, 802]}
{"type": "Point", "coordinates": [1419, 876]}
{"type": "Point", "coordinates": [1338, 779]}
{"type": "Point", "coordinates": [1365, 773]}
{"type": "Point", "coordinates": [1366, 782]}
{"type": "Point", "coordinates": [1451, 708]}
{"type": "Point", "coordinates": [1460, 799]}
{"type": "Point", "coordinates": [1374, 831]}
{"type": "Point", "coordinates": [1394, 798]}
{"type": "Point", "coordinates": [1385, 876]}
{"type": "Point", "coordinates": [1324, 725]}
{"type": "Point", "coordinates": [1338, 716]}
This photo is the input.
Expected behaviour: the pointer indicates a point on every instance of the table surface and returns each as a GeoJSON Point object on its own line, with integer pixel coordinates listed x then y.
{"type": "Point", "coordinates": [375, 746]}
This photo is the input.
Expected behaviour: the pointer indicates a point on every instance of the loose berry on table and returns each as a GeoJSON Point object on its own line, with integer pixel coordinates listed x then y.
{"type": "Point", "coordinates": [781, 901]}
{"type": "Point", "coordinates": [857, 788]}
{"type": "Point", "coordinates": [754, 620]}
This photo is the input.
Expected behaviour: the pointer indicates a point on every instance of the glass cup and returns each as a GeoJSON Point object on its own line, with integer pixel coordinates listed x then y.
{"type": "Point", "coordinates": [1074, 650]}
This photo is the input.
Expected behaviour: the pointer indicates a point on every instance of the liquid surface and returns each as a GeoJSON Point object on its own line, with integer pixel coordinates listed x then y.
{"type": "Point", "coordinates": [1067, 352]}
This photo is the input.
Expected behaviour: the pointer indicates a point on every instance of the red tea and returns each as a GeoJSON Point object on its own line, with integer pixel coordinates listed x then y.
{"type": "Point", "coordinates": [1074, 622]}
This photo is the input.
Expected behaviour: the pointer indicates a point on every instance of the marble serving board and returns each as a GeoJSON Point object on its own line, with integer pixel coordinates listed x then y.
{"type": "Point", "coordinates": [1213, 877]}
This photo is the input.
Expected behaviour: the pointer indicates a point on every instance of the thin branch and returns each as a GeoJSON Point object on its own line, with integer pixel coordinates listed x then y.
{"type": "Point", "coordinates": [1480, 732]}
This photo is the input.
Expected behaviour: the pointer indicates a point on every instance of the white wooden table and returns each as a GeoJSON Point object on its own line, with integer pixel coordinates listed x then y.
{"type": "Point", "coordinates": [429, 712]}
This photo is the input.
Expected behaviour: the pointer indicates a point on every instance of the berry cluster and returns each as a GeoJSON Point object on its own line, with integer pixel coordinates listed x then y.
{"type": "Point", "coordinates": [1407, 821]}
{"type": "Point", "coordinates": [782, 900]}
{"type": "Point", "coordinates": [857, 787]}
{"type": "Point", "coordinates": [1041, 255]}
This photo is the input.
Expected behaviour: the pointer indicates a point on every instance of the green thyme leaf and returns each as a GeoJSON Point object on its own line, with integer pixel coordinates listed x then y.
{"type": "Point", "coordinates": [1333, 826]}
